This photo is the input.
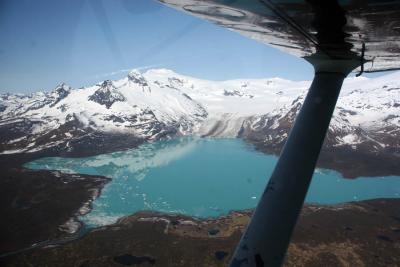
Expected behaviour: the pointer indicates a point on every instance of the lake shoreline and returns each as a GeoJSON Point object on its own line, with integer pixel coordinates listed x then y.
{"type": "Point", "coordinates": [42, 205]}
{"type": "Point", "coordinates": [148, 178]}
{"type": "Point", "coordinates": [350, 163]}
{"type": "Point", "coordinates": [364, 232]}
{"type": "Point", "coordinates": [14, 162]}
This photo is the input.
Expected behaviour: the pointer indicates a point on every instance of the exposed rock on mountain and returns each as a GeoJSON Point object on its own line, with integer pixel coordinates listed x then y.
{"type": "Point", "coordinates": [106, 95]}
{"type": "Point", "coordinates": [159, 103]}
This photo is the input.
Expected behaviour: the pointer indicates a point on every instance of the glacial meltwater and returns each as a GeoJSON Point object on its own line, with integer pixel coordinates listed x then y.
{"type": "Point", "coordinates": [200, 177]}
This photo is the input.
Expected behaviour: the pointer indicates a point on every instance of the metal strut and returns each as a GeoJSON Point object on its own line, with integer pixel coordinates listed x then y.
{"type": "Point", "coordinates": [362, 60]}
{"type": "Point", "coordinates": [268, 234]}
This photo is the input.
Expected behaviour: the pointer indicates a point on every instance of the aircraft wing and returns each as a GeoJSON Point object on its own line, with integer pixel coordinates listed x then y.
{"type": "Point", "coordinates": [297, 26]}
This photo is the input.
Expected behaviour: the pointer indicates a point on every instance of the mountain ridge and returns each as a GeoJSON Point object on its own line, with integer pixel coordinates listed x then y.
{"type": "Point", "coordinates": [160, 103]}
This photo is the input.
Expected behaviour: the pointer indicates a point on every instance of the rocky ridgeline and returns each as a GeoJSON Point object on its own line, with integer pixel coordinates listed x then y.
{"type": "Point", "coordinates": [363, 134]}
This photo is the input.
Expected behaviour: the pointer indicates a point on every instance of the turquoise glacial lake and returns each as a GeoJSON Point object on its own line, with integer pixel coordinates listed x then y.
{"type": "Point", "coordinates": [199, 177]}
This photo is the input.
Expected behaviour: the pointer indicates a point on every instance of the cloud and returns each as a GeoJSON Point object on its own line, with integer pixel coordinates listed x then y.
{"type": "Point", "coordinates": [112, 73]}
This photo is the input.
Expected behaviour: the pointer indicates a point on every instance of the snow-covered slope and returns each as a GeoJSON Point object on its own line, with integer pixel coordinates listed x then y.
{"type": "Point", "coordinates": [367, 110]}
{"type": "Point", "coordinates": [161, 103]}
{"type": "Point", "coordinates": [129, 106]}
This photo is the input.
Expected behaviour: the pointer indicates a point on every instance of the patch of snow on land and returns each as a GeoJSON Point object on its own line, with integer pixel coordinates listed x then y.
{"type": "Point", "coordinates": [351, 139]}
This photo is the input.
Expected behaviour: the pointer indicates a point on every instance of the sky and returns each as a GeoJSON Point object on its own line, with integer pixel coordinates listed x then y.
{"type": "Point", "coordinates": [82, 42]}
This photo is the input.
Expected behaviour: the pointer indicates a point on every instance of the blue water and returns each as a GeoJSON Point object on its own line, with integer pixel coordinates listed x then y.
{"type": "Point", "coordinates": [200, 177]}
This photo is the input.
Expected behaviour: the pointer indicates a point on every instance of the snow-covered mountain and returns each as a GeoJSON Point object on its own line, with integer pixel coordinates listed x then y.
{"type": "Point", "coordinates": [132, 106]}
{"type": "Point", "coordinates": [160, 103]}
